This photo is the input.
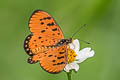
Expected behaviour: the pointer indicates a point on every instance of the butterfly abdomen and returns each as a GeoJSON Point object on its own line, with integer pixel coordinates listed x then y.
{"type": "Point", "coordinates": [43, 49]}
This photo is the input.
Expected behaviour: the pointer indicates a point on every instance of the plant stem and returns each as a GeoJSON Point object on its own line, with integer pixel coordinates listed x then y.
{"type": "Point", "coordinates": [69, 75]}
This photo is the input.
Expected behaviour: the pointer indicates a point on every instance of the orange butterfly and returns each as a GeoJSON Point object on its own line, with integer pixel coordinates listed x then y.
{"type": "Point", "coordinates": [46, 43]}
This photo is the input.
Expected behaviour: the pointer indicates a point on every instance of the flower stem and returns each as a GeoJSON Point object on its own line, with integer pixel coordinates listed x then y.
{"type": "Point", "coordinates": [69, 75]}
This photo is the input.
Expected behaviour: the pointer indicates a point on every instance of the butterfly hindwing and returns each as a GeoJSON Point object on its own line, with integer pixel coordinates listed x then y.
{"type": "Point", "coordinates": [53, 60]}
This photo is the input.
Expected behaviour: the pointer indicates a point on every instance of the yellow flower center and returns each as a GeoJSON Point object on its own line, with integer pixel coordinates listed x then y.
{"type": "Point", "coordinates": [71, 56]}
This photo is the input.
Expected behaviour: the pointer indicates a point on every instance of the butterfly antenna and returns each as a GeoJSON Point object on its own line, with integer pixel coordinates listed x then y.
{"type": "Point", "coordinates": [78, 30]}
{"type": "Point", "coordinates": [85, 41]}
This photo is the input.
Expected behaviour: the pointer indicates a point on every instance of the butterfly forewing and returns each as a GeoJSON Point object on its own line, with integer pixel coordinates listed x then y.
{"type": "Point", "coordinates": [44, 30]}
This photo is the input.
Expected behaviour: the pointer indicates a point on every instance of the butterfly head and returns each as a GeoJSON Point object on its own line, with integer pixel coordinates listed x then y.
{"type": "Point", "coordinates": [70, 40]}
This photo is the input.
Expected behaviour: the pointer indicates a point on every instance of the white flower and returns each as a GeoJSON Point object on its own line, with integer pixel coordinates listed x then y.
{"type": "Point", "coordinates": [81, 55]}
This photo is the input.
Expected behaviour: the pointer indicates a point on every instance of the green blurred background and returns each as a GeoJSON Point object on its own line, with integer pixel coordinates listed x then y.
{"type": "Point", "coordinates": [103, 31]}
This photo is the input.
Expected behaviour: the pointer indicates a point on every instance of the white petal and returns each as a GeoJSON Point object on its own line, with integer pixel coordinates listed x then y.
{"type": "Point", "coordinates": [67, 69]}
{"type": "Point", "coordinates": [71, 45]}
{"type": "Point", "coordinates": [77, 67]}
{"type": "Point", "coordinates": [91, 53]}
{"type": "Point", "coordinates": [84, 54]}
{"type": "Point", "coordinates": [71, 66]}
{"type": "Point", "coordinates": [77, 45]}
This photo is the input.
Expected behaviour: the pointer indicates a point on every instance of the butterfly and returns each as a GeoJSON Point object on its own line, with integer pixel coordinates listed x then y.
{"type": "Point", "coordinates": [46, 43]}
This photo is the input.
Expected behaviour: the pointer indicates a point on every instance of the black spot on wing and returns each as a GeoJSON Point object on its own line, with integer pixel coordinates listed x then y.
{"type": "Point", "coordinates": [50, 55]}
{"type": "Point", "coordinates": [53, 34]}
{"type": "Point", "coordinates": [59, 63]}
{"type": "Point", "coordinates": [55, 29]}
{"type": "Point", "coordinates": [41, 19]}
{"type": "Point", "coordinates": [42, 23]}
{"type": "Point", "coordinates": [35, 45]}
{"type": "Point", "coordinates": [60, 57]}
{"type": "Point", "coordinates": [50, 24]}
{"type": "Point", "coordinates": [45, 18]}
{"type": "Point", "coordinates": [39, 37]}
{"type": "Point", "coordinates": [58, 33]}
{"type": "Point", "coordinates": [61, 52]}
{"type": "Point", "coordinates": [42, 31]}
{"type": "Point", "coordinates": [42, 41]}
{"type": "Point", "coordinates": [49, 18]}
{"type": "Point", "coordinates": [42, 45]}
{"type": "Point", "coordinates": [53, 60]}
